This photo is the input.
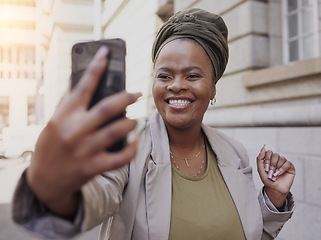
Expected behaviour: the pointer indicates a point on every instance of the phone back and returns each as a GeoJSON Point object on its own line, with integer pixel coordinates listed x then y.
{"type": "Point", "coordinates": [113, 77]}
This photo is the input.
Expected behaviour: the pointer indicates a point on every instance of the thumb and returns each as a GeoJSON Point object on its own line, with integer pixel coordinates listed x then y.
{"type": "Point", "coordinates": [260, 159]}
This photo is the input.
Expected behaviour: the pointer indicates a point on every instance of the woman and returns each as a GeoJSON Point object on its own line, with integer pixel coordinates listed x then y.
{"type": "Point", "coordinates": [185, 181]}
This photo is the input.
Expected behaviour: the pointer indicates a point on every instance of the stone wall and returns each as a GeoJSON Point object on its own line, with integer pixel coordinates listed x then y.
{"type": "Point", "coordinates": [63, 23]}
{"type": "Point", "coordinates": [135, 22]}
{"type": "Point", "coordinates": [301, 146]}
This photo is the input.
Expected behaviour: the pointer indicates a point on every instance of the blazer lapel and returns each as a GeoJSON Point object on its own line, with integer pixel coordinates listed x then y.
{"type": "Point", "coordinates": [158, 182]}
{"type": "Point", "coordinates": [239, 183]}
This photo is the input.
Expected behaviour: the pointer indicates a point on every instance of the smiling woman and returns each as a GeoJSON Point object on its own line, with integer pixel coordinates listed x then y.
{"type": "Point", "coordinates": [180, 180]}
{"type": "Point", "coordinates": [183, 83]}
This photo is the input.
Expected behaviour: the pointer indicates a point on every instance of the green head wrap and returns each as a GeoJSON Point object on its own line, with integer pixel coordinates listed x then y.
{"type": "Point", "coordinates": [207, 29]}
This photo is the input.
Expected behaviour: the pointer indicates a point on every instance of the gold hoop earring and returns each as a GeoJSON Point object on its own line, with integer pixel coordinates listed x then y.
{"type": "Point", "coordinates": [213, 101]}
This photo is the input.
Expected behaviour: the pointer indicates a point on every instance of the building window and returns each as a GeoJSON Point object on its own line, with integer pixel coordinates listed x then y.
{"type": "Point", "coordinates": [19, 60]}
{"type": "Point", "coordinates": [4, 112]}
{"type": "Point", "coordinates": [1, 54]}
{"type": "Point", "coordinates": [9, 55]}
{"type": "Point", "coordinates": [26, 55]}
{"type": "Point", "coordinates": [11, 24]}
{"type": "Point", "coordinates": [301, 29]}
{"type": "Point", "coordinates": [31, 3]}
{"type": "Point", "coordinates": [31, 110]}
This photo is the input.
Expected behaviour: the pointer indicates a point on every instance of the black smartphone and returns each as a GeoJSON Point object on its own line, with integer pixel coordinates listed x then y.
{"type": "Point", "coordinates": [113, 77]}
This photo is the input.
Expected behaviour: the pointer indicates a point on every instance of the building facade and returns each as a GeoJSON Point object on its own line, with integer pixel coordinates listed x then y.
{"type": "Point", "coordinates": [270, 93]}
{"type": "Point", "coordinates": [19, 69]}
{"type": "Point", "coordinates": [62, 24]}
{"type": "Point", "coordinates": [137, 23]}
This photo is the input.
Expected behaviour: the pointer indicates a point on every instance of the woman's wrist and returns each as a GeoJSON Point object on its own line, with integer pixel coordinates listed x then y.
{"type": "Point", "coordinates": [64, 206]}
{"type": "Point", "coordinates": [277, 198]}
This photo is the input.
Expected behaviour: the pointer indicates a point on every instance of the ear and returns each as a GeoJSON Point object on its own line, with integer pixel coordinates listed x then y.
{"type": "Point", "coordinates": [213, 93]}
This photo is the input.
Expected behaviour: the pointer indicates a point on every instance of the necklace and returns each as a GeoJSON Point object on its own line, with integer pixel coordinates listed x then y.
{"type": "Point", "coordinates": [184, 158]}
{"type": "Point", "coordinates": [199, 171]}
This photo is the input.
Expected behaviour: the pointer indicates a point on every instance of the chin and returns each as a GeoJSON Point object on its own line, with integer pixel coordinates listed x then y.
{"type": "Point", "coordinates": [182, 123]}
{"type": "Point", "coordinates": [179, 121]}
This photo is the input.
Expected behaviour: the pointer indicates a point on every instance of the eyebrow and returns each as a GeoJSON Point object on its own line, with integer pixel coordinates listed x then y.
{"type": "Point", "coordinates": [187, 69]}
{"type": "Point", "coordinates": [192, 68]}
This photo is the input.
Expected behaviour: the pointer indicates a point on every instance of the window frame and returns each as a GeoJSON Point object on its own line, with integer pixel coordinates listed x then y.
{"type": "Point", "coordinates": [316, 31]}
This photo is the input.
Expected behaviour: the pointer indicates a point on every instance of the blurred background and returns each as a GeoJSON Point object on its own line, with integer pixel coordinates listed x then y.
{"type": "Point", "coordinates": [270, 92]}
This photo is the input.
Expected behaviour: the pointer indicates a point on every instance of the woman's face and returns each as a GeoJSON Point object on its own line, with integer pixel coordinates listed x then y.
{"type": "Point", "coordinates": [183, 83]}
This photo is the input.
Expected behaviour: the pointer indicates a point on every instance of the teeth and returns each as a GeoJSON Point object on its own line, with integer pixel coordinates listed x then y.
{"type": "Point", "coordinates": [179, 102]}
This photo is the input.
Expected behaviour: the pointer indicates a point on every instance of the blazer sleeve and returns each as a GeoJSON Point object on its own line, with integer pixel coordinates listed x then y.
{"type": "Point", "coordinates": [102, 197]}
{"type": "Point", "coordinates": [273, 221]}
{"type": "Point", "coordinates": [98, 200]}
{"type": "Point", "coordinates": [31, 214]}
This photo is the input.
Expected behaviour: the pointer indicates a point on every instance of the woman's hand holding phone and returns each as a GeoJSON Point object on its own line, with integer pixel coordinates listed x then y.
{"type": "Point", "coordinates": [72, 147]}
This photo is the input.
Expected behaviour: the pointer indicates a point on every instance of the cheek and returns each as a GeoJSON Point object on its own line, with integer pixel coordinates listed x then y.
{"type": "Point", "coordinates": [157, 90]}
{"type": "Point", "coordinates": [206, 91]}
{"type": "Point", "coordinates": [158, 87]}
{"type": "Point", "coordinates": [154, 89]}
{"type": "Point", "coordinates": [211, 90]}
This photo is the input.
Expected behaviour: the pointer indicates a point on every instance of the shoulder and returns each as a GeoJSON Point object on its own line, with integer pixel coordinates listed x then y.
{"type": "Point", "coordinates": [225, 145]}
{"type": "Point", "coordinates": [153, 125]}
{"type": "Point", "coordinates": [141, 127]}
{"type": "Point", "coordinates": [222, 139]}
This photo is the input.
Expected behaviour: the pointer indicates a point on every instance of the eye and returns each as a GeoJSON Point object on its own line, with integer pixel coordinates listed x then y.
{"type": "Point", "coordinates": [164, 77]}
{"type": "Point", "coordinates": [193, 76]}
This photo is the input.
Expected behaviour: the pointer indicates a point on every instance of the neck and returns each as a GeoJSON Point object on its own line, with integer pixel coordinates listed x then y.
{"type": "Point", "coordinates": [187, 150]}
{"type": "Point", "coordinates": [182, 139]}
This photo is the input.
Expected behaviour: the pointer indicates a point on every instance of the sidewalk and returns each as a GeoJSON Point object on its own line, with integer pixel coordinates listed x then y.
{"type": "Point", "coordinates": [10, 171]}
{"type": "Point", "coordinates": [10, 231]}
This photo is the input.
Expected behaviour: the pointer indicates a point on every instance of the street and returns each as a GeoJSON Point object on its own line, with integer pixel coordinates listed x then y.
{"type": "Point", "coordinates": [10, 171]}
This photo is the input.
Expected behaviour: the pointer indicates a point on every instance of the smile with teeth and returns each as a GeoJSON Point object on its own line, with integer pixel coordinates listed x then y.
{"type": "Point", "coordinates": [180, 102]}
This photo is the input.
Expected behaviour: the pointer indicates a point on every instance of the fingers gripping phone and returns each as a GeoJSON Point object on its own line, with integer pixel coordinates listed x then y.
{"type": "Point", "coordinates": [113, 77]}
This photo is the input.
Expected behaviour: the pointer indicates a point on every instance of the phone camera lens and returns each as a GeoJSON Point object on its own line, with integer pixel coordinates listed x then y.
{"type": "Point", "coordinates": [79, 50]}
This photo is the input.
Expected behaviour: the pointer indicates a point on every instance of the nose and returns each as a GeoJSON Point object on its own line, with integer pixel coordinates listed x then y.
{"type": "Point", "coordinates": [177, 84]}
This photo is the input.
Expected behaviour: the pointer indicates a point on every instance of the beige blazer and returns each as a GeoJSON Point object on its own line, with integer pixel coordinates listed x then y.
{"type": "Point", "coordinates": [134, 202]}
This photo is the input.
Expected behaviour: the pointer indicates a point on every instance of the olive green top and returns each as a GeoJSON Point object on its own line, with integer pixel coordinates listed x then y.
{"type": "Point", "coordinates": [202, 207]}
